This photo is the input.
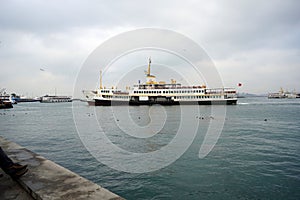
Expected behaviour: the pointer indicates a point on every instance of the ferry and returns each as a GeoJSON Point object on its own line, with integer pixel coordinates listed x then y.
{"type": "Point", "coordinates": [55, 99]}
{"type": "Point", "coordinates": [283, 95]}
{"type": "Point", "coordinates": [153, 92]}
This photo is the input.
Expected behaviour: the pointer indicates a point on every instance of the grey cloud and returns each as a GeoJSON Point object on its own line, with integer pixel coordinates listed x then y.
{"type": "Point", "coordinates": [61, 34]}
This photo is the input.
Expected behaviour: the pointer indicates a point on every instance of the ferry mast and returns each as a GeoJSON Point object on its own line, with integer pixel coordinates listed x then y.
{"type": "Point", "coordinates": [150, 79]}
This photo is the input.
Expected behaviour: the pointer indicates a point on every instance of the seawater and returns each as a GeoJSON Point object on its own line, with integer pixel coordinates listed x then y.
{"type": "Point", "coordinates": [256, 157]}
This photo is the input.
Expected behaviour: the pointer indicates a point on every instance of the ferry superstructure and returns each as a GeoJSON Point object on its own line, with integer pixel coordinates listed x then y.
{"type": "Point", "coordinates": [153, 92]}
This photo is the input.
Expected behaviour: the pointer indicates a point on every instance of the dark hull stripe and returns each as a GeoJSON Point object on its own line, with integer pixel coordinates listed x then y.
{"type": "Point", "coordinates": [136, 103]}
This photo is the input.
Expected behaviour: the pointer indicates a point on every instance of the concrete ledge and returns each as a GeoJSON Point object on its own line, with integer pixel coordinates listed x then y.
{"type": "Point", "coordinates": [48, 180]}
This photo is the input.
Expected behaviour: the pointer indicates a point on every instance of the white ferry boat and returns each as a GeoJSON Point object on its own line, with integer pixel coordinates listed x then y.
{"type": "Point", "coordinates": [283, 95]}
{"type": "Point", "coordinates": [153, 92]}
{"type": "Point", "coordinates": [55, 99]}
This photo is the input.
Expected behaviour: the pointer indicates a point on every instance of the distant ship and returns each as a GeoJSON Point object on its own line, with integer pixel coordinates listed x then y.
{"type": "Point", "coordinates": [5, 100]}
{"type": "Point", "coordinates": [26, 99]}
{"type": "Point", "coordinates": [153, 92]}
{"type": "Point", "coordinates": [55, 99]}
{"type": "Point", "coordinates": [283, 94]}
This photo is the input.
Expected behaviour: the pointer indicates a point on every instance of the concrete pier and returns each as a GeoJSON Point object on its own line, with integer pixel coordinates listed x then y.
{"type": "Point", "coordinates": [46, 179]}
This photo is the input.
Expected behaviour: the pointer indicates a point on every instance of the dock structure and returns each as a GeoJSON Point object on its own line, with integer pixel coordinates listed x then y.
{"type": "Point", "coordinates": [46, 179]}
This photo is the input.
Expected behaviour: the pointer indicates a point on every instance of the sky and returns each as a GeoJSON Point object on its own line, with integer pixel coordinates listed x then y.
{"type": "Point", "coordinates": [44, 44]}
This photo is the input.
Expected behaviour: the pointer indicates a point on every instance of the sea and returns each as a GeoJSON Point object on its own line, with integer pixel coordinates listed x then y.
{"type": "Point", "coordinates": [255, 155]}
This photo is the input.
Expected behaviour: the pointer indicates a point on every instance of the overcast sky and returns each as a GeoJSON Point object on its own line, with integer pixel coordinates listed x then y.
{"type": "Point", "coordinates": [43, 44]}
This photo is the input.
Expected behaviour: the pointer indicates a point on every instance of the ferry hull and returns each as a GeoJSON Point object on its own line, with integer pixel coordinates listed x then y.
{"type": "Point", "coordinates": [137, 103]}
{"type": "Point", "coordinates": [98, 102]}
{"type": "Point", "coordinates": [5, 105]}
{"type": "Point", "coordinates": [225, 102]}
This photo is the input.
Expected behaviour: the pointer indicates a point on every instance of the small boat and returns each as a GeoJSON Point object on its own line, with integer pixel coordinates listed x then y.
{"type": "Point", "coordinates": [5, 101]}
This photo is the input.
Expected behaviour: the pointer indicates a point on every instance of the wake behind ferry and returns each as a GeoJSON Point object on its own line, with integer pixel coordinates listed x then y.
{"type": "Point", "coordinates": [153, 92]}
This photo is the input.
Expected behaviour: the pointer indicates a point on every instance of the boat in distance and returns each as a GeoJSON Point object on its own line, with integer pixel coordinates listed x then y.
{"type": "Point", "coordinates": [283, 95]}
{"type": "Point", "coordinates": [55, 99]}
{"type": "Point", "coordinates": [153, 92]}
{"type": "Point", "coordinates": [5, 100]}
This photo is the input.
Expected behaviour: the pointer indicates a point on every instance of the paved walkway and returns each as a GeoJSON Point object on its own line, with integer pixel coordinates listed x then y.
{"type": "Point", "coordinates": [11, 190]}
{"type": "Point", "coordinates": [47, 180]}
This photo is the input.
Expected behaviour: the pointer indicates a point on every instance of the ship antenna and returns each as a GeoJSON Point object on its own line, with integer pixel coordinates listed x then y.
{"type": "Point", "coordinates": [100, 79]}
{"type": "Point", "coordinates": [148, 72]}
